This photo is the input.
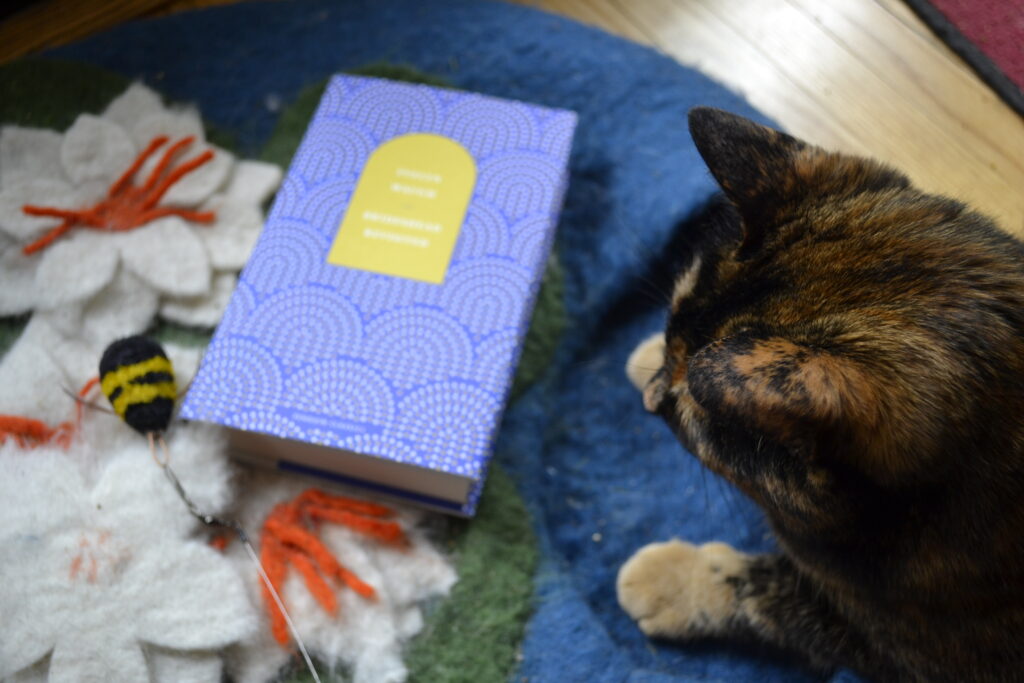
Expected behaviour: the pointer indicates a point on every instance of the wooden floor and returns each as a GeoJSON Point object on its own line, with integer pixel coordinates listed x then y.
{"type": "Point", "coordinates": [864, 76]}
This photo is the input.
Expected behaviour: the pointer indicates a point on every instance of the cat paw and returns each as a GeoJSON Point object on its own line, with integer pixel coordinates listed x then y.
{"type": "Point", "coordinates": [645, 360]}
{"type": "Point", "coordinates": [679, 590]}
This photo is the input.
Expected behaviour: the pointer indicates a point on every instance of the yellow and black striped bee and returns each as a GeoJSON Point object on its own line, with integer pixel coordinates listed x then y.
{"type": "Point", "coordinates": [137, 377]}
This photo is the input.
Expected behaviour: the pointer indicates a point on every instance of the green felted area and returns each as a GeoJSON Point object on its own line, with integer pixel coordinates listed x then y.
{"type": "Point", "coordinates": [44, 93]}
{"type": "Point", "coordinates": [474, 634]}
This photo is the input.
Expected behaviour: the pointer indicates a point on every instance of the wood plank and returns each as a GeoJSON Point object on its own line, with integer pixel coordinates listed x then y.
{"type": "Point", "coordinates": [58, 22]}
{"type": "Point", "coordinates": [922, 84]}
{"type": "Point", "coordinates": [865, 77]}
{"type": "Point", "coordinates": [698, 36]}
{"type": "Point", "coordinates": [890, 122]}
{"type": "Point", "coordinates": [600, 13]}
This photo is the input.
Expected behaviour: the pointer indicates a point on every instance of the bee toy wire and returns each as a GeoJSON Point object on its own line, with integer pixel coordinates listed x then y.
{"type": "Point", "coordinates": [163, 460]}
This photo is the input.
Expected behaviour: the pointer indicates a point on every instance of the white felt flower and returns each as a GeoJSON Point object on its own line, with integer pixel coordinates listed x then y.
{"type": "Point", "coordinates": [100, 578]}
{"type": "Point", "coordinates": [366, 637]}
{"type": "Point", "coordinates": [127, 213]}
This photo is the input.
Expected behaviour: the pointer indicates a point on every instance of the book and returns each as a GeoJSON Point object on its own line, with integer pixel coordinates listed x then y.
{"type": "Point", "coordinates": [374, 333]}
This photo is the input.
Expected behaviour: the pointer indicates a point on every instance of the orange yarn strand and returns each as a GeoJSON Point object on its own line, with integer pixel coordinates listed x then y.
{"type": "Point", "coordinates": [30, 433]}
{"type": "Point", "coordinates": [272, 558]}
{"type": "Point", "coordinates": [316, 584]}
{"type": "Point", "coordinates": [165, 161]}
{"type": "Point", "coordinates": [194, 216]}
{"type": "Point", "coordinates": [287, 540]}
{"type": "Point", "coordinates": [175, 176]}
{"type": "Point", "coordinates": [128, 206]}
{"type": "Point", "coordinates": [356, 584]}
{"type": "Point", "coordinates": [122, 182]}
{"type": "Point", "coordinates": [49, 238]}
{"type": "Point", "coordinates": [340, 502]}
{"type": "Point", "coordinates": [388, 532]}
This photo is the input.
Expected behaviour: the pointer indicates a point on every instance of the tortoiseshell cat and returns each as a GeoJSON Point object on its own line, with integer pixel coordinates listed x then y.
{"type": "Point", "coordinates": [849, 351]}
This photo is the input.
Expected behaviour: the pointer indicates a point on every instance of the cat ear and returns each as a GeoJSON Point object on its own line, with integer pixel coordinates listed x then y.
{"type": "Point", "coordinates": [767, 174]}
{"type": "Point", "coordinates": [751, 162]}
{"type": "Point", "coordinates": [787, 391]}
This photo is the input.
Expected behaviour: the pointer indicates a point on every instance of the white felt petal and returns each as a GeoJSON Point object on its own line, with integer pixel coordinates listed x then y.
{"type": "Point", "coordinates": [75, 268]}
{"type": "Point", "coordinates": [29, 153]}
{"type": "Point", "coordinates": [45, 494]}
{"type": "Point", "coordinates": [32, 595]}
{"type": "Point", "coordinates": [18, 271]}
{"type": "Point", "coordinates": [199, 453]}
{"type": "Point", "coordinates": [173, 123]}
{"type": "Point", "coordinates": [39, 192]}
{"type": "Point", "coordinates": [103, 435]}
{"type": "Point", "coordinates": [75, 358]}
{"type": "Point", "coordinates": [133, 105]}
{"type": "Point", "coordinates": [190, 599]}
{"type": "Point", "coordinates": [172, 666]}
{"type": "Point", "coordinates": [198, 185]}
{"type": "Point", "coordinates": [31, 384]}
{"type": "Point", "coordinates": [253, 182]}
{"type": "Point", "coordinates": [21, 659]}
{"type": "Point", "coordinates": [134, 498]}
{"type": "Point", "coordinates": [91, 656]}
{"type": "Point", "coordinates": [126, 306]}
{"type": "Point", "coordinates": [169, 256]}
{"type": "Point", "coordinates": [64, 322]}
{"type": "Point", "coordinates": [185, 360]}
{"type": "Point", "coordinates": [201, 311]}
{"type": "Point", "coordinates": [95, 149]}
{"type": "Point", "coordinates": [230, 239]}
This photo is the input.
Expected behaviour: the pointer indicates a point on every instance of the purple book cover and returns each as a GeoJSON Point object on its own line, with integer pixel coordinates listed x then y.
{"type": "Point", "coordinates": [384, 306]}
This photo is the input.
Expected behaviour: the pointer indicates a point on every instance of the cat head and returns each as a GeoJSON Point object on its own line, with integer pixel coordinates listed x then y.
{"type": "Point", "coordinates": [837, 333]}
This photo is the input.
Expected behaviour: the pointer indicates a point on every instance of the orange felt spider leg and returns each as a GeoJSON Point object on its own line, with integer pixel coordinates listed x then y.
{"type": "Point", "coordinates": [386, 531]}
{"type": "Point", "coordinates": [272, 557]}
{"type": "Point", "coordinates": [123, 182]}
{"type": "Point", "coordinates": [355, 583]}
{"type": "Point", "coordinates": [322, 499]}
{"type": "Point", "coordinates": [314, 582]}
{"type": "Point", "coordinates": [302, 539]}
{"type": "Point", "coordinates": [164, 163]}
{"type": "Point", "coordinates": [128, 206]}
{"type": "Point", "coordinates": [30, 433]}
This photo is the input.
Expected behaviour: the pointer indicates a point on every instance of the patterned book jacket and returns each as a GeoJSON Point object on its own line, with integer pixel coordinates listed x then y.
{"type": "Point", "coordinates": [384, 306]}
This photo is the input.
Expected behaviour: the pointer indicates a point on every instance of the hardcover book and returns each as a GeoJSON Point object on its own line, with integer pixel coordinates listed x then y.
{"type": "Point", "coordinates": [374, 333]}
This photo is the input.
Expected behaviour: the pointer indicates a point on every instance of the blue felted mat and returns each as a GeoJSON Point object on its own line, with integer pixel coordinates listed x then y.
{"type": "Point", "coordinates": [600, 476]}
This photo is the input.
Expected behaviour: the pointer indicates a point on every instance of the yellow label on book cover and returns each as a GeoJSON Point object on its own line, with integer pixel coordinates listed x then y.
{"type": "Point", "coordinates": [407, 209]}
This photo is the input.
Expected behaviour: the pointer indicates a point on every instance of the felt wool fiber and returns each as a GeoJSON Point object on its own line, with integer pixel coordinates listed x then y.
{"type": "Point", "coordinates": [99, 570]}
{"type": "Point", "coordinates": [193, 215]}
{"type": "Point", "coordinates": [366, 637]}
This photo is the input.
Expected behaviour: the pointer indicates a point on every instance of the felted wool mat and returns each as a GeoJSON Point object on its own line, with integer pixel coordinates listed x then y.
{"type": "Point", "coordinates": [599, 476]}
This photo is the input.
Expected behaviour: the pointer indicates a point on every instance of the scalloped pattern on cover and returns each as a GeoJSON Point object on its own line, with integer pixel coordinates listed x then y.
{"type": "Point", "coordinates": [394, 367]}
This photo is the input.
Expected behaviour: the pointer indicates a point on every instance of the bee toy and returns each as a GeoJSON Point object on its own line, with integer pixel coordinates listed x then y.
{"type": "Point", "coordinates": [137, 378]}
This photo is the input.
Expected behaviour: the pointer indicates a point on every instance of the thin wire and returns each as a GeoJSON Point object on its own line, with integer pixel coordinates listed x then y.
{"type": "Point", "coordinates": [280, 606]}
{"type": "Point", "coordinates": [211, 520]}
